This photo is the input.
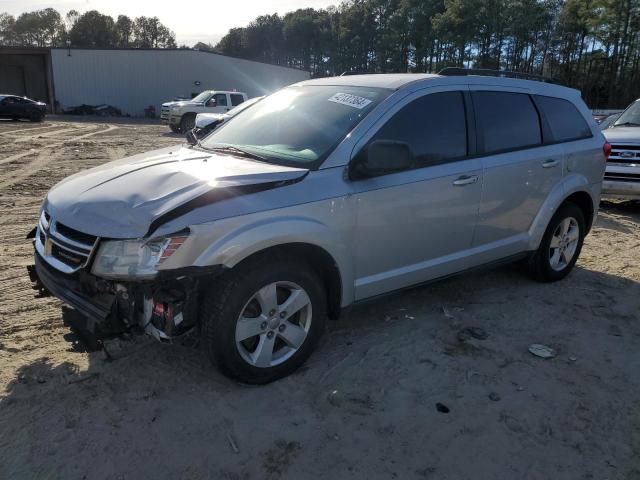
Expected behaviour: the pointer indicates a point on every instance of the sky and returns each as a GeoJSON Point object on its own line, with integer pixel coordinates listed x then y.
{"type": "Point", "coordinates": [191, 20]}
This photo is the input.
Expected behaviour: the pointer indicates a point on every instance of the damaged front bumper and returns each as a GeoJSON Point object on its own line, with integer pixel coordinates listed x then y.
{"type": "Point", "coordinates": [165, 307]}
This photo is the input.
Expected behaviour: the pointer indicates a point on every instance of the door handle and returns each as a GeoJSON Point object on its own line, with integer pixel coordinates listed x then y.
{"type": "Point", "coordinates": [550, 163]}
{"type": "Point", "coordinates": [465, 180]}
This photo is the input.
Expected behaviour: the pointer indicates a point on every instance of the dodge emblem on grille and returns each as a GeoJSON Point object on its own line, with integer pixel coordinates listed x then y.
{"type": "Point", "coordinates": [627, 154]}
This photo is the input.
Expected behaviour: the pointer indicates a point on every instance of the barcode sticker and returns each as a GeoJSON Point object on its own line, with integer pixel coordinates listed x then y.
{"type": "Point", "coordinates": [350, 100]}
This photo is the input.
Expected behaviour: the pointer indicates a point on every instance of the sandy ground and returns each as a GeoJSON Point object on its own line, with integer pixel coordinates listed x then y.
{"type": "Point", "coordinates": [364, 406]}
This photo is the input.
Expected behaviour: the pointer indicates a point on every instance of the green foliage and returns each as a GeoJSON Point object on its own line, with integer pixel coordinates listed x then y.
{"type": "Point", "coordinates": [46, 28]}
{"type": "Point", "coordinates": [593, 45]}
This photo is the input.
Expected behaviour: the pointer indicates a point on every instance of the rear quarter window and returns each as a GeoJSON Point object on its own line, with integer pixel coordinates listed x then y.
{"type": "Point", "coordinates": [564, 120]}
{"type": "Point", "coordinates": [506, 121]}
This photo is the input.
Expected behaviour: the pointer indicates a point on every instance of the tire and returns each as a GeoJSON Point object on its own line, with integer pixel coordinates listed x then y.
{"type": "Point", "coordinates": [549, 263]}
{"type": "Point", "coordinates": [234, 295]}
{"type": "Point", "coordinates": [36, 117]}
{"type": "Point", "coordinates": [175, 128]}
{"type": "Point", "coordinates": [187, 122]}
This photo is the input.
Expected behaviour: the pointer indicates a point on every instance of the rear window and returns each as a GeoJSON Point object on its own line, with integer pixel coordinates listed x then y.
{"type": "Point", "coordinates": [506, 121]}
{"type": "Point", "coordinates": [564, 119]}
{"type": "Point", "coordinates": [236, 99]}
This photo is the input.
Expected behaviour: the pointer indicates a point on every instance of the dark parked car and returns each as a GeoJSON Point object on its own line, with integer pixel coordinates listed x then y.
{"type": "Point", "coordinates": [14, 107]}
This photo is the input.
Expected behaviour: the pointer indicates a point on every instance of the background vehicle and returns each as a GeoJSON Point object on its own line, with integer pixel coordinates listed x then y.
{"type": "Point", "coordinates": [207, 122]}
{"type": "Point", "coordinates": [181, 116]}
{"type": "Point", "coordinates": [14, 107]}
{"type": "Point", "coordinates": [622, 176]}
{"type": "Point", "coordinates": [608, 121]}
{"type": "Point", "coordinates": [325, 193]}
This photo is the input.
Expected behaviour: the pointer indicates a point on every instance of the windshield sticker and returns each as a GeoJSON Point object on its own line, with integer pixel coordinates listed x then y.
{"type": "Point", "coordinates": [350, 100]}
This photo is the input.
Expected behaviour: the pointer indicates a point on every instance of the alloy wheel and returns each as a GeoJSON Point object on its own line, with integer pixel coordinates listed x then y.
{"type": "Point", "coordinates": [273, 324]}
{"type": "Point", "coordinates": [564, 243]}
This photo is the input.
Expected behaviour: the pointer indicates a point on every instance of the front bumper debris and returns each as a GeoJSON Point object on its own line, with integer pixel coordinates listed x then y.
{"type": "Point", "coordinates": [165, 307]}
{"type": "Point", "coordinates": [70, 289]}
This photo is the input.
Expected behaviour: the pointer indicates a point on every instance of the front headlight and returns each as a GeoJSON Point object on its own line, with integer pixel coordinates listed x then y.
{"type": "Point", "coordinates": [125, 259]}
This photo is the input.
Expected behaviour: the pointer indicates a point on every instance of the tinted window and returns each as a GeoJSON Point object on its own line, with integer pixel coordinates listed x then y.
{"type": "Point", "coordinates": [221, 99]}
{"type": "Point", "coordinates": [434, 126]}
{"type": "Point", "coordinates": [236, 99]}
{"type": "Point", "coordinates": [563, 118]}
{"type": "Point", "coordinates": [506, 121]}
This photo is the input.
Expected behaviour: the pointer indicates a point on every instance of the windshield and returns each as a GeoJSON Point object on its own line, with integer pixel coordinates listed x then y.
{"type": "Point", "coordinates": [630, 117]}
{"type": "Point", "coordinates": [202, 97]}
{"type": "Point", "coordinates": [298, 126]}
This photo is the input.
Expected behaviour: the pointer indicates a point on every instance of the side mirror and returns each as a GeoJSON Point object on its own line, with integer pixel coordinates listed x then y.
{"type": "Point", "coordinates": [381, 157]}
{"type": "Point", "coordinates": [212, 102]}
{"type": "Point", "coordinates": [191, 138]}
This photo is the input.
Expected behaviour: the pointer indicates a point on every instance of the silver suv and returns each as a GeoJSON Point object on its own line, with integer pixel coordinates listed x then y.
{"type": "Point", "coordinates": [326, 193]}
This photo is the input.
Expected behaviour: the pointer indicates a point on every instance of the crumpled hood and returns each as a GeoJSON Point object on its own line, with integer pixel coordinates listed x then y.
{"type": "Point", "coordinates": [622, 135]}
{"type": "Point", "coordinates": [122, 199]}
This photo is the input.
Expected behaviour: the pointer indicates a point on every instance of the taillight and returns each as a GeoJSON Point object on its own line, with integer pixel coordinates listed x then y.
{"type": "Point", "coordinates": [606, 148]}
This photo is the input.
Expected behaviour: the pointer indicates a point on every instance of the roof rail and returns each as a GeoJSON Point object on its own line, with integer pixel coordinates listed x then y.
{"type": "Point", "coordinates": [486, 72]}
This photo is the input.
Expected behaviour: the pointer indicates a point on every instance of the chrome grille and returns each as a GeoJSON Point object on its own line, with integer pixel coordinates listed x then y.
{"type": "Point", "coordinates": [165, 113]}
{"type": "Point", "coordinates": [625, 154]}
{"type": "Point", "coordinates": [622, 177]}
{"type": "Point", "coordinates": [63, 247]}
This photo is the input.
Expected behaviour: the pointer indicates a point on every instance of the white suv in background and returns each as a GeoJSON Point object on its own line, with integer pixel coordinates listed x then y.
{"type": "Point", "coordinates": [622, 177]}
{"type": "Point", "coordinates": [326, 193]}
{"type": "Point", "coordinates": [181, 115]}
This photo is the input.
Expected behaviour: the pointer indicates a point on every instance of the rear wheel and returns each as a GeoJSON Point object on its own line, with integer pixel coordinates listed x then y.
{"type": "Point", "coordinates": [187, 122]}
{"type": "Point", "coordinates": [262, 321]}
{"type": "Point", "coordinates": [560, 245]}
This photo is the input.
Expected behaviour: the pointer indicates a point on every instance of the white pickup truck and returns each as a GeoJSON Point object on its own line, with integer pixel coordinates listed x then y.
{"type": "Point", "coordinates": [181, 116]}
{"type": "Point", "coordinates": [622, 176]}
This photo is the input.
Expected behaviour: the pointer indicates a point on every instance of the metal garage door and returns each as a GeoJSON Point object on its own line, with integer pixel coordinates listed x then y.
{"type": "Point", "coordinates": [12, 80]}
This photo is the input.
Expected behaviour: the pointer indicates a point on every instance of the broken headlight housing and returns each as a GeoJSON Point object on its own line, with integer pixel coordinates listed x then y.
{"type": "Point", "coordinates": [135, 259]}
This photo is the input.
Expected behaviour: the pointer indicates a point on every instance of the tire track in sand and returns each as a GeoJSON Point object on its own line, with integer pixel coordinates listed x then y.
{"type": "Point", "coordinates": [45, 157]}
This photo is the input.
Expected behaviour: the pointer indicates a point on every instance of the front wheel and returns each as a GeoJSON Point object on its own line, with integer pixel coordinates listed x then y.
{"type": "Point", "coordinates": [36, 117]}
{"type": "Point", "coordinates": [187, 122]}
{"type": "Point", "coordinates": [175, 128]}
{"type": "Point", "coordinates": [560, 245]}
{"type": "Point", "coordinates": [263, 320]}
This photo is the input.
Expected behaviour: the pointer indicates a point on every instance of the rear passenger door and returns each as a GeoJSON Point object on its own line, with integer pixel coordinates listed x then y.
{"type": "Point", "coordinates": [236, 99]}
{"type": "Point", "coordinates": [417, 224]}
{"type": "Point", "coordinates": [519, 170]}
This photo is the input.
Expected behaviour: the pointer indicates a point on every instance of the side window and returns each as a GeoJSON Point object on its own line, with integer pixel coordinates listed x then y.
{"type": "Point", "coordinates": [221, 99]}
{"type": "Point", "coordinates": [506, 121]}
{"type": "Point", "coordinates": [434, 126]}
{"type": "Point", "coordinates": [236, 99]}
{"type": "Point", "coordinates": [564, 119]}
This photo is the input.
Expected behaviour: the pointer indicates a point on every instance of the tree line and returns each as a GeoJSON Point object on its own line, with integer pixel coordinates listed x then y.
{"type": "Point", "coordinates": [592, 45]}
{"type": "Point", "coordinates": [47, 28]}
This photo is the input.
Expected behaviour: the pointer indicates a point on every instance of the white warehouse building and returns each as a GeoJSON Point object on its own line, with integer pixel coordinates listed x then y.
{"type": "Point", "coordinates": [132, 79]}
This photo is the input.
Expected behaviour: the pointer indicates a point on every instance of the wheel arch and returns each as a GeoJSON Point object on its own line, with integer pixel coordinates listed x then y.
{"type": "Point", "coordinates": [574, 188]}
{"type": "Point", "coordinates": [584, 201]}
{"type": "Point", "coordinates": [319, 259]}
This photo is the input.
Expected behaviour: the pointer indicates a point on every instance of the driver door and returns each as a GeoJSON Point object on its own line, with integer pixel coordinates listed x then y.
{"type": "Point", "coordinates": [418, 224]}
